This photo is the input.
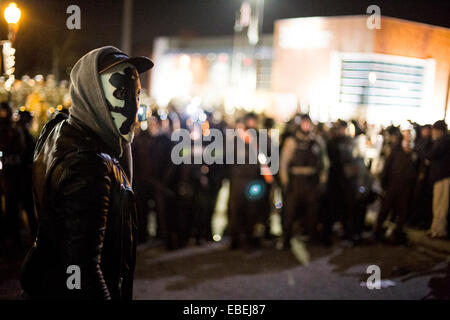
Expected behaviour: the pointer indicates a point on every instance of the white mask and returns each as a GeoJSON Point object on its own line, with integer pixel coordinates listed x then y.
{"type": "Point", "coordinates": [121, 86]}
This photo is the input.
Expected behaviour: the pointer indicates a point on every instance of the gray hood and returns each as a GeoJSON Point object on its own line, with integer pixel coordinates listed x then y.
{"type": "Point", "coordinates": [88, 100]}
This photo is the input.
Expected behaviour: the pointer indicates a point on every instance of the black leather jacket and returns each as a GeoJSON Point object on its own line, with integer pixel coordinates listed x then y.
{"type": "Point", "coordinates": [87, 216]}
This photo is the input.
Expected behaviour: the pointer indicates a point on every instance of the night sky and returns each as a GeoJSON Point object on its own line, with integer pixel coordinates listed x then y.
{"type": "Point", "coordinates": [45, 45]}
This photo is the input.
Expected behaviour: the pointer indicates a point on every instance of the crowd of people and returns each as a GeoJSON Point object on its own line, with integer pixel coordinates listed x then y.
{"type": "Point", "coordinates": [328, 177]}
{"type": "Point", "coordinates": [16, 160]}
{"type": "Point", "coordinates": [38, 95]}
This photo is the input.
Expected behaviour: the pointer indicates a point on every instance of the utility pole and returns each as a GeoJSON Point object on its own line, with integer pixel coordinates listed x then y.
{"type": "Point", "coordinates": [446, 97]}
{"type": "Point", "coordinates": [247, 36]}
{"type": "Point", "coordinates": [127, 17]}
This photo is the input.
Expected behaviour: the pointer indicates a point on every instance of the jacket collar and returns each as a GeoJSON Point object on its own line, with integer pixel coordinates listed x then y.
{"type": "Point", "coordinates": [93, 140]}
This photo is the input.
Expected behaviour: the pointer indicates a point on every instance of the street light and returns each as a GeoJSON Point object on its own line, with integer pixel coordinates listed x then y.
{"type": "Point", "coordinates": [12, 16]}
{"type": "Point", "coordinates": [12, 13]}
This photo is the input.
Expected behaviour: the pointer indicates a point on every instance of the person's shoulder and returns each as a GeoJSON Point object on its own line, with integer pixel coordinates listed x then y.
{"type": "Point", "coordinates": [53, 124]}
{"type": "Point", "coordinates": [80, 171]}
{"type": "Point", "coordinates": [443, 141]}
{"type": "Point", "coordinates": [87, 163]}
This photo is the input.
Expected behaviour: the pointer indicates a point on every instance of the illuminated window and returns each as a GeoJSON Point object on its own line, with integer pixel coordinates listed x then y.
{"type": "Point", "coordinates": [383, 80]}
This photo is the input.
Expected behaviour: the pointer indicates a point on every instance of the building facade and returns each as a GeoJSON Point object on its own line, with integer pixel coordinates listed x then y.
{"type": "Point", "coordinates": [340, 67]}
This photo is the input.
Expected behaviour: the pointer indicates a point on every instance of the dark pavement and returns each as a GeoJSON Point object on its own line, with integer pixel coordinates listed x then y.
{"type": "Point", "coordinates": [304, 272]}
{"type": "Point", "coordinates": [212, 271]}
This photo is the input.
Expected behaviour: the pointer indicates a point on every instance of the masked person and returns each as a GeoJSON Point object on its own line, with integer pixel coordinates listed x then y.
{"type": "Point", "coordinates": [86, 243]}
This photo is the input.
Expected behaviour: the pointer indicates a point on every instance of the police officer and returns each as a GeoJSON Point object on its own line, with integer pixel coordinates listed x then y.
{"type": "Point", "coordinates": [349, 184]}
{"type": "Point", "coordinates": [208, 181]}
{"type": "Point", "coordinates": [247, 188]}
{"type": "Point", "coordinates": [302, 174]}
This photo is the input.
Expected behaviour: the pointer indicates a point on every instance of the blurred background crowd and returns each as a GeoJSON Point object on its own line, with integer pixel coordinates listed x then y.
{"type": "Point", "coordinates": [343, 178]}
{"type": "Point", "coordinates": [39, 96]}
{"type": "Point", "coordinates": [337, 180]}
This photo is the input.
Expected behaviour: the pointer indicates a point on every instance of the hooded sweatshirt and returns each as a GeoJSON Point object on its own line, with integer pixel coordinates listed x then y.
{"type": "Point", "coordinates": [88, 100]}
{"type": "Point", "coordinates": [61, 200]}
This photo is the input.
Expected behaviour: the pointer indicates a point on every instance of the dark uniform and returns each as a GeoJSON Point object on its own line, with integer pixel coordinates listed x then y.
{"type": "Point", "coordinates": [423, 193]}
{"type": "Point", "coordinates": [208, 181]}
{"type": "Point", "coordinates": [248, 189]}
{"type": "Point", "coordinates": [183, 223]}
{"type": "Point", "coordinates": [301, 167]}
{"type": "Point", "coordinates": [349, 186]}
{"type": "Point", "coordinates": [398, 181]}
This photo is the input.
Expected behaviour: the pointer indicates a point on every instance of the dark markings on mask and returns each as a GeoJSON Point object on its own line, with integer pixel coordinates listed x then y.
{"type": "Point", "coordinates": [125, 82]}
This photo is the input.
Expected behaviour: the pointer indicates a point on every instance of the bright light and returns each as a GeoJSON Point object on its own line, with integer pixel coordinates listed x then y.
{"type": "Point", "coordinates": [202, 117]}
{"type": "Point", "coordinates": [193, 107]}
{"type": "Point", "coordinates": [262, 158]}
{"type": "Point", "coordinates": [185, 61]}
{"type": "Point", "coordinates": [8, 54]}
{"type": "Point", "coordinates": [217, 237]}
{"type": "Point", "coordinates": [255, 190]}
{"type": "Point", "coordinates": [197, 101]}
{"type": "Point", "coordinates": [12, 13]}
{"type": "Point", "coordinates": [372, 77]}
{"type": "Point", "coordinates": [10, 81]}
